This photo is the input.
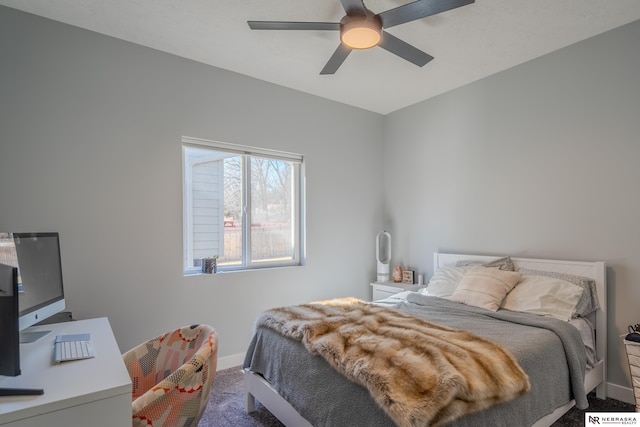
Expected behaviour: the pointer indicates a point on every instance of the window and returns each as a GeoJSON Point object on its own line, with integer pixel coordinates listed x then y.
{"type": "Point", "coordinates": [243, 204]}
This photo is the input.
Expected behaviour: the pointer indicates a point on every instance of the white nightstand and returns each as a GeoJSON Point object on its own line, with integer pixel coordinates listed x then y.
{"type": "Point", "coordinates": [383, 290]}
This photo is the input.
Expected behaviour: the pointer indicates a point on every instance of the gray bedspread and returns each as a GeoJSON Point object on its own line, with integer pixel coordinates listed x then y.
{"type": "Point", "coordinates": [550, 351]}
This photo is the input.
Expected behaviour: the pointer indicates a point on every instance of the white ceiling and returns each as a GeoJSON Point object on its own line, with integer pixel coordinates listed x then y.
{"type": "Point", "coordinates": [468, 43]}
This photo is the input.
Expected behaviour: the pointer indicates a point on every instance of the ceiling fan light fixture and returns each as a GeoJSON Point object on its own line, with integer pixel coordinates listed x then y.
{"type": "Point", "coordinates": [361, 32]}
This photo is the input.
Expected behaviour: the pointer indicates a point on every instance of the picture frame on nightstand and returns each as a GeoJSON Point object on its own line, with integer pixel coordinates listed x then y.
{"type": "Point", "coordinates": [407, 277]}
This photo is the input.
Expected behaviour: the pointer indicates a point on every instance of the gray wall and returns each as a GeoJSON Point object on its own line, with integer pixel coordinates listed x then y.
{"type": "Point", "coordinates": [540, 160]}
{"type": "Point", "coordinates": [90, 131]}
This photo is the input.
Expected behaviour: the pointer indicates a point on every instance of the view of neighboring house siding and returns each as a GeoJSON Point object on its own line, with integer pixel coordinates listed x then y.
{"type": "Point", "coordinates": [208, 209]}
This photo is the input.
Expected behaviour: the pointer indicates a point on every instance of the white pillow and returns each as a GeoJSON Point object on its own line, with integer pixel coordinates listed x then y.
{"type": "Point", "coordinates": [444, 281]}
{"type": "Point", "coordinates": [589, 301]}
{"type": "Point", "coordinates": [545, 296]}
{"type": "Point", "coordinates": [485, 287]}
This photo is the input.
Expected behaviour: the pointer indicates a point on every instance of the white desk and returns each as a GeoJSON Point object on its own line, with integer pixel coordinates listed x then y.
{"type": "Point", "coordinates": [95, 392]}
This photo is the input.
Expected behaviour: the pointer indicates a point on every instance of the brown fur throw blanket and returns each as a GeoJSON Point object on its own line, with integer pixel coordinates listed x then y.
{"type": "Point", "coordinates": [420, 373]}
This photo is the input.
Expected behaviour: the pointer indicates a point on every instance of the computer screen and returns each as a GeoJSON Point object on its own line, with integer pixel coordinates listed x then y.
{"type": "Point", "coordinates": [40, 287]}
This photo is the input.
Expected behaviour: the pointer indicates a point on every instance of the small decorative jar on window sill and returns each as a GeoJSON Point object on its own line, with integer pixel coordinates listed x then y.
{"type": "Point", "coordinates": [210, 265]}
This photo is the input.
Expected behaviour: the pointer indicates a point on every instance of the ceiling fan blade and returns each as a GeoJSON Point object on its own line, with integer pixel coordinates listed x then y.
{"type": "Point", "coordinates": [353, 6]}
{"type": "Point", "coordinates": [336, 59]}
{"type": "Point", "coordinates": [417, 10]}
{"type": "Point", "coordinates": [283, 25]}
{"type": "Point", "coordinates": [404, 50]}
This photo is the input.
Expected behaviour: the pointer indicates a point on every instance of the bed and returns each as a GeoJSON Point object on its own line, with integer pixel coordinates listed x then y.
{"type": "Point", "coordinates": [304, 390]}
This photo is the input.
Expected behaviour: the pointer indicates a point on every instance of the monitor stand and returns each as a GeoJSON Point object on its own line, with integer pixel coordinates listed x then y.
{"type": "Point", "coordinates": [29, 337]}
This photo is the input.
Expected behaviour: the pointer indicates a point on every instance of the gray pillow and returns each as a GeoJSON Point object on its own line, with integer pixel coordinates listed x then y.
{"type": "Point", "coordinates": [588, 302]}
{"type": "Point", "coordinates": [504, 263]}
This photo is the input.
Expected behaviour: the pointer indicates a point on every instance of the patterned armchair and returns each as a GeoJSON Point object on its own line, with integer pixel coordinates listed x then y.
{"type": "Point", "coordinates": [172, 376]}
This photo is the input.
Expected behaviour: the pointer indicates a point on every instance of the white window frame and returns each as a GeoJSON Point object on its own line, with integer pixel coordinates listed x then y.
{"type": "Point", "coordinates": [299, 254]}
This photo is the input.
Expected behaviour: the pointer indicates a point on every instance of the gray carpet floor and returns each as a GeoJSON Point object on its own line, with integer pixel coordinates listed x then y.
{"type": "Point", "coordinates": [226, 406]}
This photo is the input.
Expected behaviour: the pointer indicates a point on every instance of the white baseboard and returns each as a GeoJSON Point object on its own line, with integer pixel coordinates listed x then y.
{"type": "Point", "coordinates": [624, 394]}
{"type": "Point", "coordinates": [230, 361]}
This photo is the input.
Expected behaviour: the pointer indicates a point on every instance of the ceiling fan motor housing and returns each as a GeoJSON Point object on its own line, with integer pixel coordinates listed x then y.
{"type": "Point", "coordinates": [361, 31]}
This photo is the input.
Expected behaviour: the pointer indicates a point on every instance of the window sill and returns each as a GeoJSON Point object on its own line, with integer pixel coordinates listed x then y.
{"type": "Point", "coordinates": [244, 270]}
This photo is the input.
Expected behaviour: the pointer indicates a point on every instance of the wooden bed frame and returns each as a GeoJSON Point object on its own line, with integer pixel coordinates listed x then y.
{"type": "Point", "coordinates": [258, 388]}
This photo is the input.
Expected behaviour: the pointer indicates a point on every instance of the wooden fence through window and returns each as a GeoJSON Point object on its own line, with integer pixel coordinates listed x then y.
{"type": "Point", "coordinates": [268, 242]}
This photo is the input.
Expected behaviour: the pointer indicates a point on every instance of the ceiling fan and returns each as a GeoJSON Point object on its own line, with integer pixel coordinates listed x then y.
{"type": "Point", "coordinates": [361, 29]}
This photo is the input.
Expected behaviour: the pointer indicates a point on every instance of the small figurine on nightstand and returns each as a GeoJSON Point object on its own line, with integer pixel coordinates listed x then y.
{"type": "Point", "coordinates": [397, 274]}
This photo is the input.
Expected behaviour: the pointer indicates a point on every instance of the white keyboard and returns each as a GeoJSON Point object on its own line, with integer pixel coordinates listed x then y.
{"type": "Point", "coordinates": [73, 347]}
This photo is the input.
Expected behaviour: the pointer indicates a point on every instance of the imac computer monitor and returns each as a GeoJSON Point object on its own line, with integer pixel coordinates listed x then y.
{"type": "Point", "coordinates": [40, 290]}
